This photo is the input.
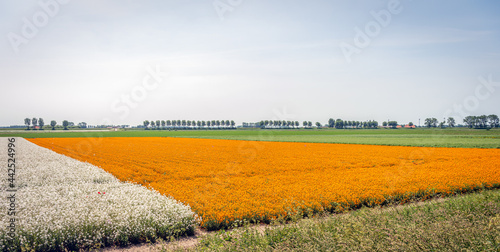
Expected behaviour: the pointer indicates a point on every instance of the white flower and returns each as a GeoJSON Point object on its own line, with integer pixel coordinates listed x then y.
{"type": "Point", "coordinates": [58, 204]}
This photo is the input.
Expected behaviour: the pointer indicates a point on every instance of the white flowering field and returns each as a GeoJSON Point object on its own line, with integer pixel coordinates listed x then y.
{"type": "Point", "coordinates": [64, 204]}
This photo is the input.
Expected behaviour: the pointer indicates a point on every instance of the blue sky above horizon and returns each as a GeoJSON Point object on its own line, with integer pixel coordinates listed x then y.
{"type": "Point", "coordinates": [263, 60]}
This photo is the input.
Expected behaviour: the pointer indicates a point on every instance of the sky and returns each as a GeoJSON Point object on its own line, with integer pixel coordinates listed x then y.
{"type": "Point", "coordinates": [123, 62]}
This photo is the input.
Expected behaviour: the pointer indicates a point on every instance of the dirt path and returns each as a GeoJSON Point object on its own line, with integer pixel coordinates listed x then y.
{"type": "Point", "coordinates": [184, 243]}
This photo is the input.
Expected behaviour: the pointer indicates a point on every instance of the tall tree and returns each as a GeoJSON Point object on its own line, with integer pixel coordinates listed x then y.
{"type": "Point", "coordinates": [297, 124]}
{"type": "Point", "coordinates": [331, 123]}
{"type": "Point", "coordinates": [65, 124]}
{"type": "Point", "coordinates": [53, 123]}
{"type": "Point", "coordinates": [34, 121]}
{"type": "Point", "coordinates": [188, 123]}
{"type": "Point", "coordinates": [169, 123]}
{"type": "Point", "coordinates": [339, 124]}
{"type": "Point", "coordinates": [451, 122]}
{"type": "Point", "coordinates": [428, 122]}
{"type": "Point", "coordinates": [318, 125]}
{"type": "Point", "coordinates": [228, 123]}
{"type": "Point", "coordinates": [483, 121]}
{"type": "Point", "coordinates": [469, 121]}
{"type": "Point", "coordinates": [153, 124]}
{"type": "Point", "coordinates": [82, 125]}
{"type": "Point", "coordinates": [493, 120]}
{"type": "Point", "coordinates": [27, 122]}
{"type": "Point", "coordinates": [232, 124]}
{"type": "Point", "coordinates": [310, 124]}
{"type": "Point", "coordinates": [208, 124]}
{"type": "Point", "coordinates": [158, 123]}
{"type": "Point", "coordinates": [434, 122]}
{"type": "Point", "coordinates": [393, 124]}
{"type": "Point", "coordinates": [477, 122]}
{"type": "Point", "coordinates": [41, 123]}
{"type": "Point", "coordinates": [163, 123]}
{"type": "Point", "coordinates": [304, 123]}
{"type": "Point", "coordinates": [431, 122]}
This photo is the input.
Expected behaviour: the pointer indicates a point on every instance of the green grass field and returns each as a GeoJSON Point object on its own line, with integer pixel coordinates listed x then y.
{"type": "Point", "coordinates": [458, 137]}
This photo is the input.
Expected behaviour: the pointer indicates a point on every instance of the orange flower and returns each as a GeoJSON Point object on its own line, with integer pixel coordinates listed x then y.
{"type": "Point", "coordinates": [228, 180]}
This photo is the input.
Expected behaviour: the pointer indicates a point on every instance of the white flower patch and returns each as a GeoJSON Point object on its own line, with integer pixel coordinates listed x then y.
{"type": "Point", "coordinates": [62, 203]}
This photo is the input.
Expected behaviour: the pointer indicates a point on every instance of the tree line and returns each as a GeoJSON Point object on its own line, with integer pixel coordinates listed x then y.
{"type": "Point", "coordinates": [393, 124]}
{"type": "Point", "coordinates": [275, 124]}
{"type": "Point", "coordinates": [188, 124]}
{"type": "Point", "coordinates": [332, 123]}
{"type": "Point", "coordinates": [476, 122]}
{"type": "Point", "coordinates": [482, 121]}
{"type": "Point", "coordinates": [433, 122]}
{"type": "Point", "coordinates": [34, 122]}
{"type": "Point", "coordinates": [345, 124]}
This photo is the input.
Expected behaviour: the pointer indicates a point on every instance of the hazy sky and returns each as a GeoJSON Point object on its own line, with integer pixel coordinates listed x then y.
{"type": "Point", "coordinates": [127, 61]}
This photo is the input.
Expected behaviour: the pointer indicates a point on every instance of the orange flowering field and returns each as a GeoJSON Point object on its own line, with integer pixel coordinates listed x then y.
{"type": "Point", "coordinates": [229, 180]}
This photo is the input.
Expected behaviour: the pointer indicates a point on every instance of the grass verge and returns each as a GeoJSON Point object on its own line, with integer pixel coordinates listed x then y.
{"type": "Point", "coordinates": [463, 223]}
